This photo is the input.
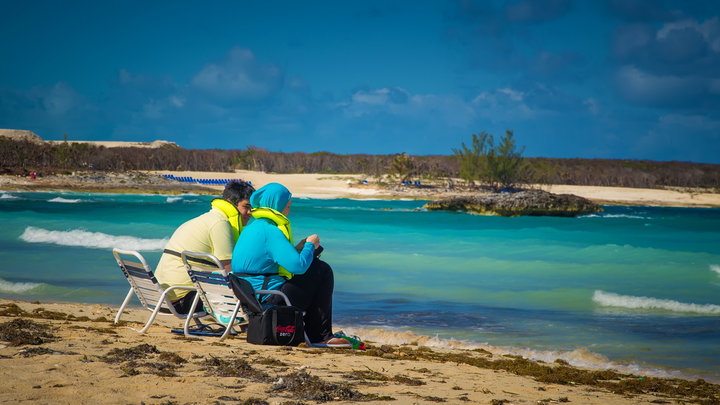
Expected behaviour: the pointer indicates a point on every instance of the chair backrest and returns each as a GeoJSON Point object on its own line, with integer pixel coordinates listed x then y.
{"type": "Point", "coordinates": [141, 278]}
{"type": "Point", "coordinates": [212, 284]}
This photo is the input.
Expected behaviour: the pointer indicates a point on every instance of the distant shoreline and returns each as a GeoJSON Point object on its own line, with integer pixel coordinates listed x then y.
{"type": "Point", "coordinates": [331, 186]}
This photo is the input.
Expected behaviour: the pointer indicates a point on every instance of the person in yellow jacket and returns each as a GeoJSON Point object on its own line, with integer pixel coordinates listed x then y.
{"type": "Point", "coordinates": [214, 232]}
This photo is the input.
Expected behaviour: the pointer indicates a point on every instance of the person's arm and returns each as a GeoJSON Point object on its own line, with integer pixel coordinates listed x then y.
{"type": "Point", "coordinates": [284, 254]}
{"type": "Point", "coordinates": [226, 264]}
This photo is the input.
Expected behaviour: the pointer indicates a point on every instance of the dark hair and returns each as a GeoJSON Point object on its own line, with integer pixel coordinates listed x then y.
{"type": "Point", "coordinates": [236, 191]}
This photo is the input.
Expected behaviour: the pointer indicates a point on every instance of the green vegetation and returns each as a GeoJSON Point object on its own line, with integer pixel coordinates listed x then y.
{"type": "Point", "coordinates": [402, 167]}
{"type": "Point", "coordinates": [499, 166]}
{"type": "Point", "coordinates": [22, 157]}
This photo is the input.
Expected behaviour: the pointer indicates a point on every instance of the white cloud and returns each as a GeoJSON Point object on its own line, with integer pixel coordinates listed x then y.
{"type": "Point", "coordinates": [642, 87]}
{"type": "Point", "coordinates": [239, 77]}
{"type": "Point", "coordinates": [710, 30]}
{"type": "Point", "coordinates": [59, 99]}
{"type": "Point", "coordinates": [690, 121]}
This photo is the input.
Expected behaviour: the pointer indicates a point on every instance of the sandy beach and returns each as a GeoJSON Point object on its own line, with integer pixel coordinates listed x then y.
{"type": "Point", "coordinates": [72, 353]}
{"type": "Point", "coordinates": [325, 186]}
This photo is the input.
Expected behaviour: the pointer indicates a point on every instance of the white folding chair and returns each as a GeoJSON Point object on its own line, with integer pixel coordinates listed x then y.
{"type": "Point", "coordinates": [213, 290]}
{"type": "Point", "coordinates": [146, 288]}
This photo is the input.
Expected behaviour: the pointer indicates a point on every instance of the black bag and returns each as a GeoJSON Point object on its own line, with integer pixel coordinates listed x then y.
{"type": "Point", "coordinates": [280, 326]}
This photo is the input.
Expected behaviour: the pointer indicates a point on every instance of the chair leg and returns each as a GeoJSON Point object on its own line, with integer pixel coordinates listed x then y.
{"type": "Point", "coordinates": [154, 313]}
{"type": "Point", "coordinates": [186, 327]}
{"type": "Point", "coordinates": [232, 321]}
{"type": "Point", "coordinates": [124, 304]}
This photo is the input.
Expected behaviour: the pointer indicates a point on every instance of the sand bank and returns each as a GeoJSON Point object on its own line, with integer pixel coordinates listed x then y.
{"type": "Point", "coordinates": [348, 186]}
{"type": "Point", "coordinates": [83, 358]}
{"type": "Point", "coordinates": [313, 185]}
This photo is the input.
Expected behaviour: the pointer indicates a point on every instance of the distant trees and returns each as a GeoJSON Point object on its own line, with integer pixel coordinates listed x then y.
{"type": "Point", "coordinates": [504, 166]}
{"type": "Point", "coordinates": [500, 166]}
{"type": "Point", "coordinates": [402, 166]}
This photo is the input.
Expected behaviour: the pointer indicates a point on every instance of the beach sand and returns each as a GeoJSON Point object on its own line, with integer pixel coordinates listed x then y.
{"type": "Point", "coordinates": [313, 185]}
{"type": "Point", "coordinates": [83, 358]}
{"type": "Point", "coordinates": [348, 186]}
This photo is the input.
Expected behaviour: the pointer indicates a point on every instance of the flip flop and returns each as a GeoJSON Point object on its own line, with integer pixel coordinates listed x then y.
{"type": "Point", "coordinates": [208, 329]}
{"type": "Point", "coordinates": [355, 341]}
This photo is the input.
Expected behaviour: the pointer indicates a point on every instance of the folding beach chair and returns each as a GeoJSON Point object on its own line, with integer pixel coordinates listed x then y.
{"type": "Point", "coordinates": [213, 289]}
{"type": "Point", "coordinates": [146, 288]}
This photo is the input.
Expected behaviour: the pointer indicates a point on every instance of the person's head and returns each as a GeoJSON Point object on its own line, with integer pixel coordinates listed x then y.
{"type": "Point", "coordinates": [238, 194]}
{"type": "Point", "coordinates": [272, 195]}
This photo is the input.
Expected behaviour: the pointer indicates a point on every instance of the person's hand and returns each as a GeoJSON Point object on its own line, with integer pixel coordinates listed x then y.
{"type": "Point", "coordinates": [314, 239]}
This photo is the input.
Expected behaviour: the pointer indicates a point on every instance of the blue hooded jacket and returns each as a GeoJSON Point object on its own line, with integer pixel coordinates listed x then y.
{"type": "Point", "coordinates": [262, 246]}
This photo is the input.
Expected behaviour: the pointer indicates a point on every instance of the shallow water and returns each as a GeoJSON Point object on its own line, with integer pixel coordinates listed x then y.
{"type": "Point", "coordinates": [635, 288]}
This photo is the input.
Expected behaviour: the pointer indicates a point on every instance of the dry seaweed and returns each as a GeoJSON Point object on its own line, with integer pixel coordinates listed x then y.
{"type": "Point", "coordinates": [269, 361]}
{"type": "Point", "coordinates": [37, 351]}
{"type": "Point", "coordinates": [130, 354]}
{"type": "Point", "coordinates": [234, 368]}
{"type": "Point", "coordinates": [11, 309]}
{"type": "Point", "coordinates": [171, 357]}
{"type": "Point", "coordinates": [308, 387]}
{"type": "Point", "coordinates": [624, 384]}
{"type": "Point", "coordinates": [408, 380]}
{"type": "Point", "coordinates": [162, 369]}
{"type": "Point", "coordinates": [20, 331]}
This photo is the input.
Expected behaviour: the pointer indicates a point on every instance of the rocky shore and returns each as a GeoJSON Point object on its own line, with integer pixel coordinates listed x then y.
{"type": "Point", "coordinates": [102, 182]}
{"type": "Point", "coordinates": [526, 202]}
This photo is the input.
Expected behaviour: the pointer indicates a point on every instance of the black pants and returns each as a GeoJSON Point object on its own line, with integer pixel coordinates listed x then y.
{"type": "Point", "coordinates": [182, 306]}
{"type": "Point", "coordinates": [312, 292]}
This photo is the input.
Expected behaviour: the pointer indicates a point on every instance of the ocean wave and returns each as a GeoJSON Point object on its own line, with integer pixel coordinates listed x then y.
{"type": "Point", "coordinates": [578, 357]}
{"type": "Point", "coordinates": [715, 268]}
{"type": "Point", "coordinates": [66, 200]}
{"type": "Point", "coordinates": [5, 196]}
{"type": "Point", "coordinates": [173, 199]}
{"type": "Point", "coordinates": [613, 216]}
{"type": "Point", "coordinates": [632, 302]}
{"type": "Point", "coordinates": [16, 288]}
{"type": "Point", "coordinates": [79, 237]}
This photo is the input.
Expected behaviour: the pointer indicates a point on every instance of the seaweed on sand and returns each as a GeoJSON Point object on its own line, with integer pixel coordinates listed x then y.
{"type": "Point", "coordinates": [234, 368]}
{"type": "Point", "coordinates": [165, 367]}
{"type": "Point", "coordinates": [13, 310]}
{"type": "Point", "coordinates": [130, 354]}
{"type": "Point", "coordinates": [618, 383]}
{"type": "Point", "coordinates": [308, 387]}
{"type": "Point", "coordinates": [22, 331]}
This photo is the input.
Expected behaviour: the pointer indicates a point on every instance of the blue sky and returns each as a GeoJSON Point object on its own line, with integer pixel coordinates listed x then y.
{"type": "Point", "coordinates": [636, 79]}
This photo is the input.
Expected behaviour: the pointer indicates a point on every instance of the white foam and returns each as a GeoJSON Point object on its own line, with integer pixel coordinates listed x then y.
{"type": "Point", "coordinates": [5, 196]}
{"type": "Point", "coordinates": [65, 200]}
{"type": "Point", "coordinates": [16, 288]}
{"type": "Point", "coordinates": [632, 302]}
{"type": "Point", "coordinates": [173, 199]}
{"type": "Point", "coordinates": [79, 237]}
{"type": "Point", "coordinates": [612, 216]}
{"type": "Point", "coordinates": [715, 268]}
{"type": "Point", "coordinates": [578, 357]}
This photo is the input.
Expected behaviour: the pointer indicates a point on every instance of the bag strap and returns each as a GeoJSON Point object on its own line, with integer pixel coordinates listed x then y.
{"type": "Point", "coordinates": [274, 327]}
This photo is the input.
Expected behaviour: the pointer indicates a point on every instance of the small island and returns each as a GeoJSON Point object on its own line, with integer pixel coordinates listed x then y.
{"type": "Point", "coordinates": [526, 202]}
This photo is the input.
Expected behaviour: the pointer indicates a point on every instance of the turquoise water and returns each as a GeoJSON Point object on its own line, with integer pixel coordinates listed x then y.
{"type": "Point", "coordinates": [634, 288]}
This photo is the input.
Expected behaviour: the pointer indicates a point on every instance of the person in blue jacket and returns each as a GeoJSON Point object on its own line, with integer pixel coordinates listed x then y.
{"type": "Point", "coordinates": [265, 248]}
